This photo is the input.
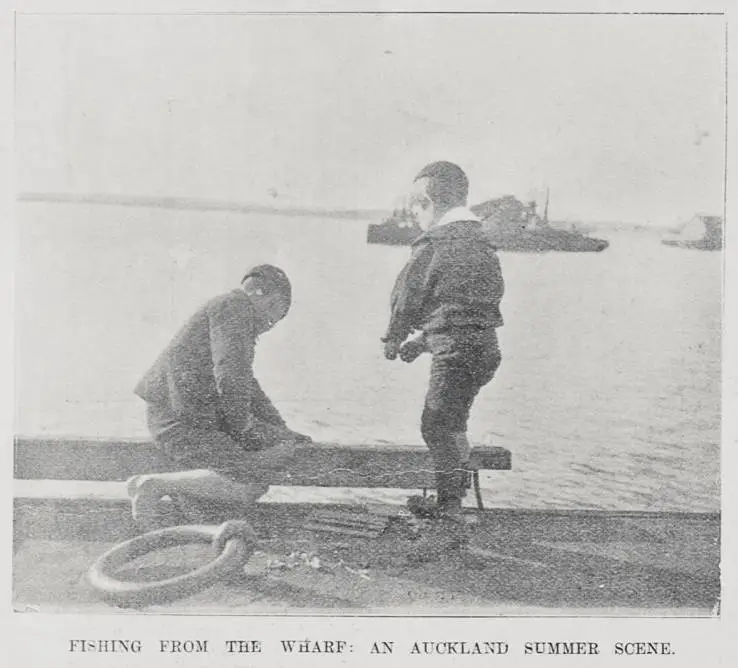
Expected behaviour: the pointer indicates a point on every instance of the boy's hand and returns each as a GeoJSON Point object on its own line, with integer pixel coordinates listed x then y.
{"type": "Point", "coordinates": [412, 349]}
{"type": "Point", "coordinates": [391, 349]}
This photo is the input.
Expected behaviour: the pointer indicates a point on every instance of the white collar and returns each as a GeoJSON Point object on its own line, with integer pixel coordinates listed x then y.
{"type": "Point", "coordinates": [455, 215]}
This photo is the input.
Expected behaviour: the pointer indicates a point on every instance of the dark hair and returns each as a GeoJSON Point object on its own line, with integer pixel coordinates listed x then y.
{"type": "Point", "coordinates": [275, 276]}
{"type": "Point", "coordinates": [448, 185]}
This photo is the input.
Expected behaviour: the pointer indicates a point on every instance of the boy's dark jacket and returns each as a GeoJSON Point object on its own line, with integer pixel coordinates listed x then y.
{"type": "Point", "coordinates": [452, 280]}
{"type": "Point", "coordinates": [205, 375]}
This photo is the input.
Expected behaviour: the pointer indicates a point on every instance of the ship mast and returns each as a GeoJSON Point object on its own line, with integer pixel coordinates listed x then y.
{"type": "Point", "coordinates": [545, 209]}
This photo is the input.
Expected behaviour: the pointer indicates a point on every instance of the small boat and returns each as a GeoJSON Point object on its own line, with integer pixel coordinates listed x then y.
{"type": "Point", "coordinates": [543, 239]}
{"type": "Point", "coordinates": [514, 226]}
{"type": "Point", "coordinates": [699, 233]}
{"type": "Point", "coordinates": [510, 224]}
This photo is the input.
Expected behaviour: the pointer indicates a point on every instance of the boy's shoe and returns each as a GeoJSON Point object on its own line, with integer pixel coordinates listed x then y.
{"type": "Point", "coordinates": [424, 507]}
{"type": "Point", "coordinates": [132, 485]}
{"type": "Point", "coordinates": [151, 508]}
{"type": "Point", "coordinates": [427, 507]}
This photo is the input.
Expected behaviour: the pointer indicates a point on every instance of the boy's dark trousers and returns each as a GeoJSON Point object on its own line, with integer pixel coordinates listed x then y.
{"type": "Point", "coordinates": [464, 361]}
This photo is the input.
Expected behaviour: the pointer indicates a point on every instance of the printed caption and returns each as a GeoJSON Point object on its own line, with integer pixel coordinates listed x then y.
{"type": "Point", "coordinates": [456, 648]}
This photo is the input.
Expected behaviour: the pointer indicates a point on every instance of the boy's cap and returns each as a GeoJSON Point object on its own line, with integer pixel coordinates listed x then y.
{"type": "Point", "coordinates": [273, 274]}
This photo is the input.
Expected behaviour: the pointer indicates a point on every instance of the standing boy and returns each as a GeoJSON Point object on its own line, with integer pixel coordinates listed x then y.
{"type": "Point", "coordinates": [450, 290]}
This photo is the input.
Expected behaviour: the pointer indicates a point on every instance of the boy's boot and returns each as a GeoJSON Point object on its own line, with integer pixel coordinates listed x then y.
{"type": "Point", "coordinates": [151, 506]}
{"type": "Point", "coordinates": [451, 491]}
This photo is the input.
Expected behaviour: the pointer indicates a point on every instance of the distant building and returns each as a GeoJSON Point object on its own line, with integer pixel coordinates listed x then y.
{"type": "Point", "coordinates": [509, 214]}
{"type": "Point", "coordinates": [700, 232]}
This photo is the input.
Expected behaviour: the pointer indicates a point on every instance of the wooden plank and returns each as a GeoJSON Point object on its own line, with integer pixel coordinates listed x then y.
{"type": "Point", "coordinates": [349, 517]}
{"type": "Point", "coordinates": [101, 510]}
{"type": "Point", "coordinates": [71, 510]}
{"type": "Point", "coordinates": [314, 465]}
{"type": "Point", "coordinates": [106, 520]}
{"type": "Point", "coordinates": [105, 491]}
{"type": "Point", "coordinates": [343, 530]}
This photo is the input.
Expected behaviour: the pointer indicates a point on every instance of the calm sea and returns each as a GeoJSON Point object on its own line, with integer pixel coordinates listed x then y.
{"type": "Point", "coordinates": [608, 395]}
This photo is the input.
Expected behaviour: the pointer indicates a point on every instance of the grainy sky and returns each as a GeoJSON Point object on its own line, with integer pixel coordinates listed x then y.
{"type": "Point", "coordinates": [621, 116]}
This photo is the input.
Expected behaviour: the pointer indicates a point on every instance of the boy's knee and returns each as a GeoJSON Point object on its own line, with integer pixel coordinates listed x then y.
{"type": "Point", "coordinates": [440, 425]}
{"type": "Point", "coordinates": [436, 428]}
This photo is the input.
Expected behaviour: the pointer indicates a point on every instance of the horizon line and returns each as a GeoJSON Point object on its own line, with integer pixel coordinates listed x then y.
{"type": "Point", "coordinates": [199, 204]}
{"type": "Point", "coordinates": [208, 204]}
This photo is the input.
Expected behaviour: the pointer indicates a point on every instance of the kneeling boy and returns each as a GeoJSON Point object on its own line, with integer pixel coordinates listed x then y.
{"type": "Point", "coordinates": [207, 412]}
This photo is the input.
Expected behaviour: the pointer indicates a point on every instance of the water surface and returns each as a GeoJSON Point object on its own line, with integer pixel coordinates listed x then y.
{"type": "Point", "coordinates": [608, 395]}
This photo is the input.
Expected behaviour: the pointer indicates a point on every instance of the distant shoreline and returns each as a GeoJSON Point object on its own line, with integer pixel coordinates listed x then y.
{"type": "Point", "coordinates": [204, 204]}
{"type": "Point", "coordinates": [197, 204]}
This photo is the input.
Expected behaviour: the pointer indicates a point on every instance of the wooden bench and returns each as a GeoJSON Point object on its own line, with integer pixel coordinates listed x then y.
{"type": "Point", "coordinates": [314, 465]}
{"type": "Point", "coordinates": [60, 479]}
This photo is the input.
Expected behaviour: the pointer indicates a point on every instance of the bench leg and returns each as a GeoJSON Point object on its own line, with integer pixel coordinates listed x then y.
{"type": "Point", "coordinates": [477, 490]}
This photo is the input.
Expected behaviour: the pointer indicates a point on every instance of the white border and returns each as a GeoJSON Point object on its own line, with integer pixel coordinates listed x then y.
{"type": "Point", "coordinates": [43, 638]}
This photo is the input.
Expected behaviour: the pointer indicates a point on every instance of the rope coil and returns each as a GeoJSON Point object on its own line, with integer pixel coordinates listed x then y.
{"type": "Point", "coordinates": [234, 542]}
